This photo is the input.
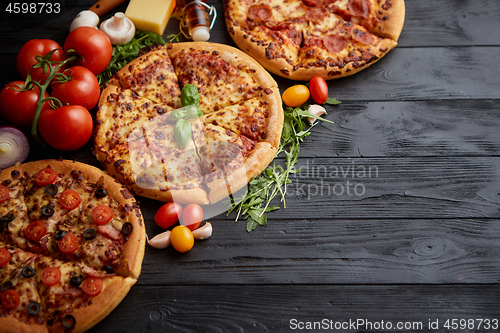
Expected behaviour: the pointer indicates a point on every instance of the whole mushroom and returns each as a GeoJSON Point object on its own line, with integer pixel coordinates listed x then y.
{"type": "Point", "coordinates": [85, 18]}
{"type": "Point", "coordinates": [119, 29]}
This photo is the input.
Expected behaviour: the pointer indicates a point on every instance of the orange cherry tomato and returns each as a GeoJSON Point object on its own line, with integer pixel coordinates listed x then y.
{"type": "Point", "coordinates": [45, 176]}
{"type": "Point", "coordinates": [10, 299]}
{"type": "Point", "coordinates": [51, 276]}
{"type": "Point", "coordinates": [296, 95]}
{"type": "Point", "coordinates": [4, 257]}
{"type": "Point", "coordinates": [182, 238]}
{"type": "Point", "coordinates": [92, 286]}
{"type": "Point", "coordinates": [36, 230]}
{"type": "Point", "coordinates": [69, 243]}
{"type": "Point", "coordinates": [70, 199]}
{"type": "Point", "coordinates": [192, 216]}
{"type": "Point", "coordinates": [4, 193]}
{"type": "Point", "coordinates": [102, 214]}
{"type": "Point", "coordinates": [319, 89]}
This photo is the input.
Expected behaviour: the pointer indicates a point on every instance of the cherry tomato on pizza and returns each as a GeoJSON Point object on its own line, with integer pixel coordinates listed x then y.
{"type": "Point", "coordinates": [51, 276]}
{"type": "Point", "coordinates": [10, 299]}
{"type": "Point", "coordinates": [46, 176]}
{"type": "Point", "coordinates": [296, 95]}
{"type": "Point", "coordinates": [168, 215]}
{"type": "Point", "coordinates": [82, 88]}
{"type": "Point", "coordinates": [66, 128]}
{"type": "Point", "coordinates": [93, 47]}
{"type": "Point", "coordinates": [92, 286]}
{"type": "Point", "coordinates": [319, 89]}
{"type": "Point", "coordinates": [26, 58]}
{"type": "Point", "coordinates": [4, 193]}
{"type": "Point", "coordinates": [69, 199]}
{"type": "Point", "coordinates": [69, 243]}
{"type": "Point", "coordinates": [18, 106]}
{"type": "Point", "coordinates": [192, 216]}
{"type": "Point", "coordinates": [102, 214]}
{"type": "Point", "coordinates": [182, 238]}
{"type": "Point", "coordinates": [4, 257]}
{"type": "Point", "coordinates": [36, 230]}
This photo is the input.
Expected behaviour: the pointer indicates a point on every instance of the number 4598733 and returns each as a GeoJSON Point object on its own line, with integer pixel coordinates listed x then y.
{"type": "Point", "coordinates": [33, 8]}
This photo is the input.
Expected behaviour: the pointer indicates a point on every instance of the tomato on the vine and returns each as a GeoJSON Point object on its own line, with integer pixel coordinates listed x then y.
{"type": "Point", "coordinates": [168, 215]}
{"type": "Point", "coordinates": [26, 58]}
{"type": "Point", "coordinates": [93, 46]}
{"type": "Point", "coordinates": [296, 95]}
{"type": "Point", "coordinates": [319, 89]}
{"type": "Point", "coordinates": [182, 238]}
{"type": "Point", "coordinates": [192, 216]}
{"type": "Point", "coordinates": [66, 128]}
{"type": "Point", "coordinates": [18, 107]}
{"type": "Point", "coordinates": [83, 88]}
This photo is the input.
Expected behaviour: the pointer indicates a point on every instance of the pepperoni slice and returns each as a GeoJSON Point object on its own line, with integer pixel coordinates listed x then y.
{"type": "Point", "coordinates": [70, 199]}
{"type": "Point", "coordinates": [45, 176]}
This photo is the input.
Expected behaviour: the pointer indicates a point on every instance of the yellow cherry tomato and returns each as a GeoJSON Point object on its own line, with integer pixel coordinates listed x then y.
{"type": "Point", "coordinates": [182, 238]}
{"type": "Point", "coordinates": [296, 95]}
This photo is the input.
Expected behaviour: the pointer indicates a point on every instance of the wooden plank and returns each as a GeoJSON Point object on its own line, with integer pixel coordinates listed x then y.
{"type": "Point", "coordinates": [278, 308]}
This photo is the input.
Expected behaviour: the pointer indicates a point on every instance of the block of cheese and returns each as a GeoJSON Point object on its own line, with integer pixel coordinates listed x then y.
{"type": "Point", "coordinates": [150, 15]}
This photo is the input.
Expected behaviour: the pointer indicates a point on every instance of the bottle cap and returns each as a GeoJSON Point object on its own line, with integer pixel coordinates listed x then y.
{"type": "Point", "coordinates": [200, 34]}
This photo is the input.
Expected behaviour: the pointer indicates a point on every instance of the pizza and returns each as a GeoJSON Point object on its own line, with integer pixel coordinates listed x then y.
{"type": "Point", "coordinates": [301, 39]}
{"type": "Point", "coordinates": [233, 140]}
{"type": "Point", "coordinates": [71, 246]}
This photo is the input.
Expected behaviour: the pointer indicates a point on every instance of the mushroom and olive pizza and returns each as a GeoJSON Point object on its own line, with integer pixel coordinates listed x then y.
{"type": "Point", "coordinates": [71, 246]}
{"type": "Point", "coordinates": [301, 39]}
{"type": "Point", "coordinates": [233, 138]}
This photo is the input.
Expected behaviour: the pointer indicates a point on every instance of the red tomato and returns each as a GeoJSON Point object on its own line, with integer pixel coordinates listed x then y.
{"type": "Point", "coordinates": [36, 230]}
{"type": "Point", "coordinates": [93, 46]}
{"type": "Point", "coordinates": [10, 299]}
{"type": "Point", "coordinates": [102, 214]}
{"type": "Point", "coordinates": [4, 257]}
{"type": "Point", "coordinates": [319, 89]}
{"type": "Point", "coordinates": [70, 199]}
{"type": "Point", "coordinates": [45, 176]}
{"type": "Point", "coordinates": [92, 286]}
{"type": "Point", "coordinates": [69, 243]}
{"type": "Point", "coordinates": [83, 89]}
{"type": "Point", "coordinates": [168, 215]}
{"type": "Point", "coordinates": [26, 58]}
{"type": "Point", "coordinates": [192, 216]}
{"type": "Point", "coordinates": [66, 128]}
{"type": "Point", "coordinates": [51, 276]}
{"type": "Point", "coordinates": [4, 193]}
{"type": "Point", "coordinates": [19, 107]}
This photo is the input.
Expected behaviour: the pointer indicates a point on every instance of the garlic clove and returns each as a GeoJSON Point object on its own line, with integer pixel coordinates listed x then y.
{"type": "Point", "coordinates": [316, 110]}
{"type": "Point", "coordinates": [160, 241]}
{"type": "Point", "coordinates": [203, 232]}
{"type": "Point", "coordinates": [119, 29]}
{"type": "Point", "coordinates": [85, 18]}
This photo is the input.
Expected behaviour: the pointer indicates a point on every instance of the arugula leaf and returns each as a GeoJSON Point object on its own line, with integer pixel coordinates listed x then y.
{"type": "Point", "coordinates": [332, 101]}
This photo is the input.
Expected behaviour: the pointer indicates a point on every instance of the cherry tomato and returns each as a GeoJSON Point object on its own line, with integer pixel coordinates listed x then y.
{"type": "Point", "coordinates": [4, 257]}
{"type": "Point", "coordinates": [83, 88]}
{"type": "Point", "coordinates": [92, 286]}
{"type": "Point", "coordinates": [70, 199]}
{"type": "Point", "coordinates": [10, 299]}
{"type": "Point", "coordinates": [45, 176]}
{"type": "Point", "coordinates": [36, 230]}
{"type": "Point", "coordinates": [296, 95]}
{"type": "Point", "coordinates": [182, 238]}
{"type": "Point", "coordinates": [51, 276]}
{"type": "Point", "coordinates": [93, 46]}
{"type": "Point", "coordinates": [69, 243]}
{"type": "Point", "coordinates": [168, 215]}
{"type": "Point", "coordinates": [102, 214]}
{"type": "Point", "coordinates": [192, 216]}
{"type": "Point", "coordinates": [66, 128]}
{"type": "Point", "coordinates": [319, 89]}
{"type": "Point", "coordinates": [19, 107]}
{"type": "Point", "coordinates": [4, 193]}
{"type": "Point", "coordinates": [26, 58]}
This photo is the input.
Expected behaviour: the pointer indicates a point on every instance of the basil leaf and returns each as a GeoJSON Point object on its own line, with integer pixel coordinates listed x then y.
{"type": "Point", "coordinates": [182, 132]}
{"type": "Point", "coordinates": [190, 95]}
{"type": "Point", "coordinates": [177, 114]}
{"type": "Point", "coordinates": [193, 112]}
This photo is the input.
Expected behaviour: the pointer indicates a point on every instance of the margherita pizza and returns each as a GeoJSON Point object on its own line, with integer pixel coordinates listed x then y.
{"type": "Point", "coordinates": [234, 139]}
{"type": "Point", "coordinates": [71, 246]}
{"type": "Point", "coordinates": [301, 39]}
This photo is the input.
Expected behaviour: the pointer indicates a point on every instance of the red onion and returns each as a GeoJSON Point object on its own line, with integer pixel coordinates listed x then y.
{"type": "Point", "coordinates": [14, 147]}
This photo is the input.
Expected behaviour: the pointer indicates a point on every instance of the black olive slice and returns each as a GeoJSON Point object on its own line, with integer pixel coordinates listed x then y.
{"type": "Point", "coordinates": [69, 321]}
{"type": "Point", "coordinates": [51, 189]}
{"type": "Point", "coordinates": [59, 234]}
{"type": "Point", "coordinates": [47, 211]}
{"type": "Point", "coordinates": [101, 193]}
{"type": "Point", "coordinates": [6, 286]}
{"type": "Point", "coordinates": [75, 281]}
{"type": "Point", "coordinates": [127, 228]}
{"type": "Point", "coordinates": [89, 234]}
{"type": "Point", "coordinates": [33, 308]}
{"type": "Point", "coordinates": [28, 271]}
{"type": "Point", "coordinates": [108, 269]}
{"type": "Point", "coordinates": [9, 217]}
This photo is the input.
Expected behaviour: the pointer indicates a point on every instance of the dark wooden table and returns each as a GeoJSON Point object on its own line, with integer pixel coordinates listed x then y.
{"type": "Point", "coordinates": [394, 221]}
